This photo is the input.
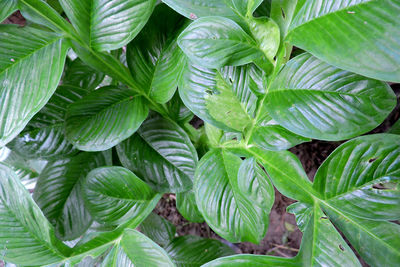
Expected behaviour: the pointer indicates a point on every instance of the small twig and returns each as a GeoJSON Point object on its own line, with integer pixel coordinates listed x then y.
{"type": "Point", "coordinates": [282, 254]}
{"type": "Point", "coordinates": [284, 247]}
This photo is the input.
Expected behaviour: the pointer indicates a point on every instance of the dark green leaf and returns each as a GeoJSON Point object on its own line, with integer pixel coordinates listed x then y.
{"type": "Point", "coordinates": [162, 154]}
{"type": "Point", "coordinates": [359, 36]}
{"type": "Point", "coordinates": [158, 229]}
{"type": "Point", "coordinates": [252, 261]}
{"type": "Point", "coordinates": [31, 63]}
{"type": "Point", "coordinates": [7, 7]}
{"type": "Point", "coordinates": [104, 118]}
{"type": "Point", "coordinates": [215, 42]}
{"type": "Point", "coordinates": [187, 207]}
{"type": "Point", "coordinates": [395, 128]}
{"type": "Point", "coordinates": [115, 195]}
{"type": "Point", "coordinates": [44, 137]}
{"type": "Point", "coordinates": [360, 177]}
{"type": "Point", "coordinates": [58, 192]}
{"type": "Point", "coordinates": [108, 24]}
{"type": "Point", "coordinates": [154, 58]}
{"type": "Point", "coordinates": [377, 242]}
{"type": "Point", "coordinates": [26, 237]}
{"type": "Point", "coordinates": [79, 74]}
{"type": "Point", "coordinates": [234, 197]}
{"type": "Point", "coordinates": [194, 251]}
{"type": "Point", "coordinates": [316, 100]}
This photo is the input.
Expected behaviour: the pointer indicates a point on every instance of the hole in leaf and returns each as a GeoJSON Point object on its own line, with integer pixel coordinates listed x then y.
{"type": "Point", "coordinates": [210, 92]}
{"type": "Point", "coordinates": [384, 186]}
{"type": "Point", "coordinates": [230, 80]}
{"type": "Point", "coordinates": [324, 218]}
{"type": "Point", "coordinates": [372, 160]}
{"type": "Point", "coordinates": [283, 13]}
{"type": "Point", "coordinates": [341, 247]}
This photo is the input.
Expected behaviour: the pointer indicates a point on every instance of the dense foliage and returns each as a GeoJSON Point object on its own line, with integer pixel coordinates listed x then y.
{"type": "Point", "coordinates": [96, 97]}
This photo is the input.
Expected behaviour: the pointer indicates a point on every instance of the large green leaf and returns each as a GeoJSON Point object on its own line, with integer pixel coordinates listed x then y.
{"type": "Point", "coordinates": [158, 229]}
{"type": "Point", "coordinates": [395, 128]}
{"type": "Point", "coordinates": [187, 207]}
{"type": "Point", "coordinates": [286, 173]}
{"type": "Point", "coordinates": [234, 197]}
{"type": "Point", "coordinates": [26, 237]}
{"type": "Point", "coordinates": [322, 245]}
{"type": "Point", "coordinates": [108, 24]}
{"type": "Point", "coordinates": [115, 195]}
{"type": "Point", "coordinates": [215, 42]}
{"type": "Point", "coordinates": [377, 242]}
{"type": "Point", "coordinates": [104, 118]}
{"type": "Point", "coordinates": [268, 134]}
{"type": "Point", "coordinates": [154, 58]}
{"type": "Point", "coordinates": [316, 100]}
{"type": "Point", "coordinates": [162, 154]}
{"type": "Point", "coordinates": [194, 251]}
{"type": "Point", "coordinates": [194, 9]}
{"type": "Point", "coordinates": [360, 177]}
{"type": "Point", "coordinates": [360, 36]}
{"type": "Point", "coordinates": [44, 136]}
{"type": "Point", "coordinates": [79, 74]}
{"type": "Point", "coordinates": [219, 96]}
{"type": "Point", "coordinates": [31, 63]}
{"type": "Point", "coordinates": [58, 192]}
{"type": "Point", "coordinates": [7, 7]}
{"type": "Point", "coordinates": [253, 260]}
{"type": "Point", "coordinates": [135, 249]}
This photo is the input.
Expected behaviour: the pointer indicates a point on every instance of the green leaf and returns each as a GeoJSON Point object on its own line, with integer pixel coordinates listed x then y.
{"type": "Point", "coordinates": [303, 213]}
{"type": "Point", "coordinates": [7, 7]}
{"type": "Point", "coordinates": [194, 251]}
{"type": "Point", "coordinates": [44, 136]}
{"type": "Point", "coordinates": [108, 24]}
{"type": "Point", "coordinates": [79, 74]}
{"type": "Point", "coordinates": [115, 195]}
{"type": "Point", "coordinates": [282, 12]}
{"type": "Point", "coordinates": [251, 261]}
{"type": "Point", "coordinates": [194, 9]}
{"type": "Point", "coordinates": [227, 44]}
{"type": "Point", "coordinates": [26, 237]}
{"type": "Point", "coordinates": [218, 96]}
{"type": "Point", "coordinates": [161, 154]}
{"type": "Point", "coordinates": [356, 178]}
{"type": "Point", "coordinates": [269, 135]}
{"type": "Point", "coordinates": [286, 173]}
{"type": "Point", "coordinates": [154, 58]}
{"type": "Point", "coordinates": [322, 245]}
{"type": "Point", "coordinates": [187, 207]}
{"type": "Point", "coordinates": [243, 7]}
{"type": "Point", "coordinates": [316, 100]}
{"type": "Point", "coordinates": [395, 128]}
{"type": "Point", "coordinates": [266, 33]}
{"type": "Point", "coordinates": [104, 118]}
{"type": "Point", "coordinates": [234, 197]}
{"type": "Point", "coordinates": [347, 30]}
{"type": "Point", "coordinates": [377, 242]}
{"type": "Point", "coordinates": [31, 63]}
{"type": "Point", "coordinates": [58, 193]}
{"type": "Point", "coordinates": [158, 229]}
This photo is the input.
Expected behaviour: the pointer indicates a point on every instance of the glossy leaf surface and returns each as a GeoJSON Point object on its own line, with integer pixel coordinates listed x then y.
{"type": "Point", "coordinates": [59, 192]}
{"type": "Point", "coordinates": [161, 154]}
{"type": "Point", "coordinates": [79, 74]}
{"type": "Point", "coordinates": [234, 197]}
{"type": "Point", "coordinates": [26, 235]}
{"type": "Point", "coordinates": [158, 229]}
{"type": "Point", "coordinates": [104, 118]}
{"type": "Point", "coordinates": [31, 63]}
{"type": "Point", "coordinates": [360, 177]}
{"type": "Point", "coordinates": [316, 100]}
{"type": "Point", "coordinates": [44, 136]}
{"type": "Point", "coordinates": [364, 30]}
{"type": "Point", "coordinates": [7, 7]}
{"type": "Point", "coordinates": [194, 251]}
{"type": "Point", "coordinates": [187, 207]}
{"type": "Point", "coordinates": [105, 24]}
{"type": "Point", "coordinates": [252, 260]}
{"type": "Point", "coordinates": [115, 195]}
{"type": "Point", "coordinates": [154, 58]}
{"type": "Point", "coordinates": [215, 42]}
{"type": "Point", "coordinates": [218, 96]}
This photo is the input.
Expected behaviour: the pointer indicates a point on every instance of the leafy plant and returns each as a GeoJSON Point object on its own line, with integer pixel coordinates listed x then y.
{"type": "Point", "coordinates": [92, 123]}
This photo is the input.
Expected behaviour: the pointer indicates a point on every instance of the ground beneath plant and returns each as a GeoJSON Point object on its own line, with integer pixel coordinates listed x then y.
{"type": "Point", "coordinates": [283, 237]}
